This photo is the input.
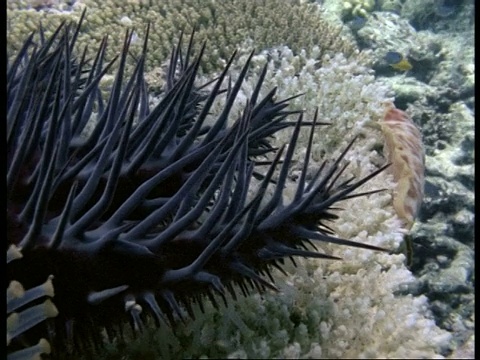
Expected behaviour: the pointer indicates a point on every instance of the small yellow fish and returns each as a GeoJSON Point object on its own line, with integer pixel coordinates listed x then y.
{"type": "Point", "coordinates": [397, 61]}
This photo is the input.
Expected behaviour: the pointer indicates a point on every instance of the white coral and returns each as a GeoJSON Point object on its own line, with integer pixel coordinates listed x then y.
{"type": "Point", "coordinates": [347, 309]}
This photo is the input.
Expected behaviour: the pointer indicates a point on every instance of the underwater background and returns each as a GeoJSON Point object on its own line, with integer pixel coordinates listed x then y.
{"type": "Point", "coordinates": [349, 58]}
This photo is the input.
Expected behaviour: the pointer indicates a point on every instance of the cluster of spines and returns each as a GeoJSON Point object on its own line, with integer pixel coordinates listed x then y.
{"type": "Point", "coordinates": [151, 211]}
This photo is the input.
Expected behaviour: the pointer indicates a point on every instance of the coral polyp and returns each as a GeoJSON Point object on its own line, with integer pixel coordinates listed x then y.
{"type": "Point", "coordinates": [131, 210]}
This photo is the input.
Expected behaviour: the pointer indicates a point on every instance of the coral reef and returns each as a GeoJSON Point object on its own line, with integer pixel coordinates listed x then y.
{"type": "Point", "coordinates": [385, 31]}
{"type": "Point", "coordinates": [438, 94]}
{"type": "Point", "coordinates": [439, 15]}
{"type": "Point", "coordinates": [234, 25]}
{"type": "Point", "coordinates": [357, 7]}
{"type": "Point", "coordinates": [307, 320]}
{"type": "Point", "coordinates": [390, 5]}
{"type": "Point", "coordinates": [152, 210]}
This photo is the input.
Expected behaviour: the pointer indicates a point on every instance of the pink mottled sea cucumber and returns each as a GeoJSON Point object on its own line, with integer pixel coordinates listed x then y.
{"type": "Point", "coordinates": [404, 149]}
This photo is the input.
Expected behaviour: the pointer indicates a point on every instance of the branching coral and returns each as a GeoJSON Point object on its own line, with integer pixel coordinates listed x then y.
{"type": "Point", "coordinates": [238, 24]}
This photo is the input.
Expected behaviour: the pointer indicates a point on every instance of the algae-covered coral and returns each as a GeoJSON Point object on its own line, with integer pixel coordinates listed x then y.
{"type": "Point", "coordinates": [358, 7]}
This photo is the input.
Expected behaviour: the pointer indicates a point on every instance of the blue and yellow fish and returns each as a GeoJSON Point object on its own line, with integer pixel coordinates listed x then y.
{"type": "Point", "coordinates": [397, 61]}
